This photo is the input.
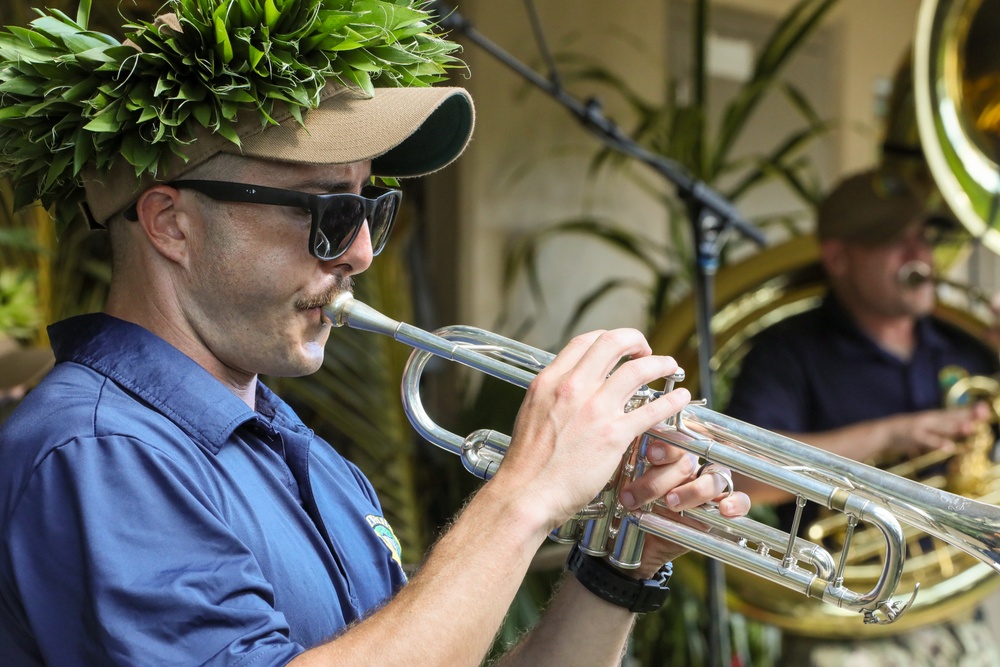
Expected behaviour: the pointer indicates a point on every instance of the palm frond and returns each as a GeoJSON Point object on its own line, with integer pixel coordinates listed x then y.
{"type": "Point", "coordinates": [600, 292]}
{"type": "Point", "coordinates": [782, 45]}
{"type": "Point", "coordinates": [776, 161]}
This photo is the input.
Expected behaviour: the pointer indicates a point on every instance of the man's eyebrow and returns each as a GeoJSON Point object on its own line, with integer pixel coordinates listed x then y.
{"type": "Point", "coordinates": [323, 186]}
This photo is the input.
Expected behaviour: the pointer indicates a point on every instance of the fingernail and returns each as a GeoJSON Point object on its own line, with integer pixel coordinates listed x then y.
{"type": "Point", "coordinates": [655, 454]}
{"type": "Point", "coordinates": [673, 500]}
{"type": "Point", "coordinates": [627, 499]}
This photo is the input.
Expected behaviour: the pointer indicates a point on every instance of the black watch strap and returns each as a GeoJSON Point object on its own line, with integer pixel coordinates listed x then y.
{"type": "Point", "coordinates": [603, 580]}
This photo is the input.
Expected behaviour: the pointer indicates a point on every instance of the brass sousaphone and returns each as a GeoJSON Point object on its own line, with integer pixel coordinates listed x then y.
{"type": "Point", "coordinates": [946, 105]}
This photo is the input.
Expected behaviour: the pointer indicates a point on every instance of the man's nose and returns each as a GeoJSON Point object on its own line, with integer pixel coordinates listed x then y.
{"type": "Point", "coordinates": [358, 256]}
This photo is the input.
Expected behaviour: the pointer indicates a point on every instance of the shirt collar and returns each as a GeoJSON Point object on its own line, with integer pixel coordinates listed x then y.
{"type": "Point", "coordinates": [929, 335]}
{"type": "Point", "coordinates": [861, 343]}
{"type": "Point", "coordinates": [163, 376]}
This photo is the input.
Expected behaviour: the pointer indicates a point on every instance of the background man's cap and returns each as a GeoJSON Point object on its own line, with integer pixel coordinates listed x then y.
{"type": "Point", "coordinates": [875, 208]}
{"type": "Point", "coordinates": [22, 365]}
{"type": "Point", "coordinates": [404, 132]}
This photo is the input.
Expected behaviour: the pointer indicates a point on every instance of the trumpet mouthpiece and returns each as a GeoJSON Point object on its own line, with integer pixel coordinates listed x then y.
{"type": "Point", "coordinates": [914, 274]}
{"type": "Point", "coordinates": [346, 311]}
{"type": "Point", "coordinates": [336, 310]}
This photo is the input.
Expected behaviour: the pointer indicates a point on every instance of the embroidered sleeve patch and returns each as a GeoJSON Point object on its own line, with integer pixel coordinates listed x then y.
{"type": "Point", "coordinates": [384, 532]}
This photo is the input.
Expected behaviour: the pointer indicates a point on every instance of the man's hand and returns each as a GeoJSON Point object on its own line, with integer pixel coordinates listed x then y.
{"type": "Point", "coordinates": [572, 429]}
{"type": "Point", "coordinates": [919, 432]}
{"type": "Point", "coordinates": [673, 478]}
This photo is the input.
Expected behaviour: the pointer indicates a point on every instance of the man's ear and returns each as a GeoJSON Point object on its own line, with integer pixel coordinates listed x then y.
{"type": "Point", "coordinates": [833, 255]}
{"type": "Point", "coordinates": [165, 221]}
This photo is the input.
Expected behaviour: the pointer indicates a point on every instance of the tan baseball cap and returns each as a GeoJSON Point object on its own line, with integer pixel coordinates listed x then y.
{"type": "Point", "coordinates": [872, 207]}
{"type": "Point", "coordinates": [22, 365]}
{"type": "Point", "coordinates": [404, 132]}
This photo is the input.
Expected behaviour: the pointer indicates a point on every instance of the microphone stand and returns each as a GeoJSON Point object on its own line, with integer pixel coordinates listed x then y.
{"type": "Point", "coordinates": [711, 215]}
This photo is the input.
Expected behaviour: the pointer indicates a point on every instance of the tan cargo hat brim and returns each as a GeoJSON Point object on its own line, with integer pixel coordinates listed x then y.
{"type": "Point", "coordinates": [405, 132]}
{"type": "Point", "coordinates": [873, 208]}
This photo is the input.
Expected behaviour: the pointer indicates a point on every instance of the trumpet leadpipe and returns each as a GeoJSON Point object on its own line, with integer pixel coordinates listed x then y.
{"type": "Point", "coordinates": [345, 310]}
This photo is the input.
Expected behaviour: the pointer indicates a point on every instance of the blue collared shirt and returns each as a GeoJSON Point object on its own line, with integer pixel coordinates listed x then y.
{"type": "Point", "coordinates": [149, 516]}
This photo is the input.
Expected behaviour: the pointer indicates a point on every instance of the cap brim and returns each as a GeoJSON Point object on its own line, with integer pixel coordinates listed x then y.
{"type": "Point", "coordinates": [404, 132]}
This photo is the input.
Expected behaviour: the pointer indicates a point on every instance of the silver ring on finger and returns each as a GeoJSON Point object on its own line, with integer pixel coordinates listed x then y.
{"type": "Point", "coordinates": [721, 471]}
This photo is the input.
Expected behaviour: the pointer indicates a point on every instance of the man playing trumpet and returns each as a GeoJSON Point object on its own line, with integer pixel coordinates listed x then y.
{"type": "Point", "coordinates": [158, 504]}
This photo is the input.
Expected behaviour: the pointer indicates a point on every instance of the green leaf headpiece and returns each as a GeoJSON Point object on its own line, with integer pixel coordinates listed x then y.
{"type": "Point", "coordinates": [73, 99]}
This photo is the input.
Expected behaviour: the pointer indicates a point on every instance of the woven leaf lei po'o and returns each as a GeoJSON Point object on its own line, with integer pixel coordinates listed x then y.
{"type": "Point", "coordinates": [71, 97]}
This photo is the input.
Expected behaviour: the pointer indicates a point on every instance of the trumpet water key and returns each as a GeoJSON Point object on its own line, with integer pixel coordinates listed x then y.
{"type": "Point", "coordinates": [606, 528]}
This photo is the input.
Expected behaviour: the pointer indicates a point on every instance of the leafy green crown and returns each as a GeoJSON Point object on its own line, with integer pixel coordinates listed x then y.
{"type": "Point", "coordinates": [71, 97]}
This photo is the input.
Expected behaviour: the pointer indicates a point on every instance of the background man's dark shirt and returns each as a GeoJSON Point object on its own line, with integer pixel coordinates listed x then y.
{"type": "Point", "coordinates": [818, 371]}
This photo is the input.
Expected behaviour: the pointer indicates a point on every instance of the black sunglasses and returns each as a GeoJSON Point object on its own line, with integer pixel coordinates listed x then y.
{"type": "Point", "coordinates": [336, 218]}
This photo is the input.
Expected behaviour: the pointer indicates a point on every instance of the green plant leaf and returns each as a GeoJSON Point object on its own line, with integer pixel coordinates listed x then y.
{"type": "Point", "coordinates": [590, 299]}
{"type": "Point", "coordinates": [783, 43]}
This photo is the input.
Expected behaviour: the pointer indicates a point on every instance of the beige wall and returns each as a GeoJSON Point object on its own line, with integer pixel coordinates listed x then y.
{"type": "Point", "coordinates": [527, 164]}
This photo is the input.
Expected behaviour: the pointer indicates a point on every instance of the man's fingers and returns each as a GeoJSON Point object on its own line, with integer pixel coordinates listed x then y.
{"type": "Point", "coordinates": [606, 350]}
{"type": "Point", "coordinates": [658, 480]}
{"type": "Point", "coordinates": [571, 354]}
{"type": "Point", "coordinates": [735, 505]}
{"type": "Point", "coordinates": [706, 488]}
{"type": "Point", "coordinates": [593, 362]}
{"type": "Point", "coordinates": [668, 482]}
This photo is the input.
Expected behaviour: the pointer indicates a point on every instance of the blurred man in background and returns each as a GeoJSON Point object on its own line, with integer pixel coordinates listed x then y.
{"type": "Point", "coordinates": [864, 376]}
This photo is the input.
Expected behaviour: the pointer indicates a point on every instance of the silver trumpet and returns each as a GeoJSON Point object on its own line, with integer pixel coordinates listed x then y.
{"type": "Point", "coordinates": [606, 528]}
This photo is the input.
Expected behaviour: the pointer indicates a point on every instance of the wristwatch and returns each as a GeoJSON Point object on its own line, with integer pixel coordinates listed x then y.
{"type": "Point", "coordinates": [603, 580]}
